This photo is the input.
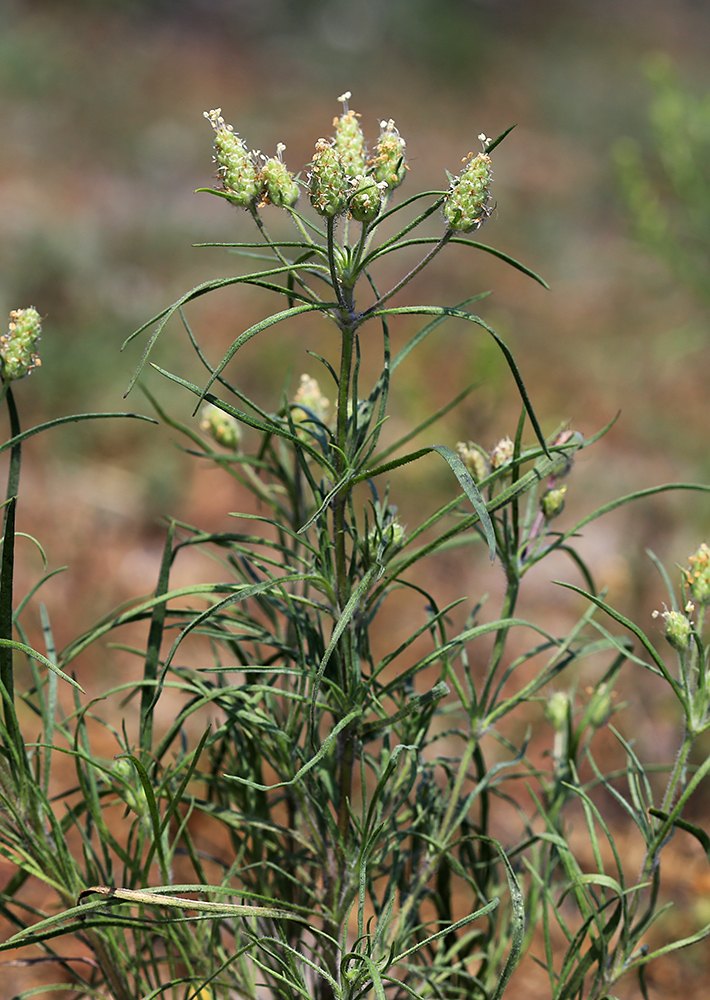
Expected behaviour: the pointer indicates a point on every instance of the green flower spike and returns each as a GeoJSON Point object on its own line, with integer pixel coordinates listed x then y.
{"type": "Point", "coordinates": [277, 182]}
{"type": "Point", "coordinates": [601, 706]}
{"type": "Point", "coordinates": [679, 628]}
{"type": "Point", "coordinates": [502, 453]}
{"type": "Point", "coordinates": [557, 710]}
{"type": "Point", "coordinates": [697, 576]}
{"type": "Point", "coordinates": [384, 540]}
{"type": "Point", "coordinates": [221, 426]}
{"type": "Point", "coordinates": [18, 345]}
{"type": "Point", "coordinates": [474, 458]}
{"type": "Point", "coordinates": [366, 199]}
{"type": "Point", "coordinates": [552, 502]}
{"type": "Point", "coordinates": [388, 162]}
{"type": "Point", "coordinates": [328, 180]}
{"type": "Point", "coordinates": [237, 169]}
{"type": "Point", "coordinates": [349, 140]}
{"type": "Point", "coordinates": [466, 206]}
{"type": "Point", "coordinates": [309, 395]}
{"type": "Point", "coordinates": [309, 408]}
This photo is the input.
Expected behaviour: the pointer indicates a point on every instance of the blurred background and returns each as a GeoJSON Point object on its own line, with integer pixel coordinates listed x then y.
{"type": "Point", "coordinates": [601, 188]}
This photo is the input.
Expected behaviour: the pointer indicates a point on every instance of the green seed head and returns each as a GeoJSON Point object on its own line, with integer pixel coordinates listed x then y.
{"type": "Point", "coordinates": [466, 206]}
{"type": "Point", "coordinates": [18, 355]}
{"type": "Point", "coordinates": [221, 426]}
{"type": "Point", "coordinates": [698, 575]}
{"type": "Point", "coordinates": [552, 502]}
{"type": "Point", "coordinates": [129, 787]}
{"type": "Point", "coordinates": [236, 167]}
{"type": "Point", "coordinates": [366, 199]}
{"type": "Point", "coordinates": [328, 180]}
{"type": "Point", "coordinates": [277, 182]}
{"type": "Point", "coordinates": [557, 710]}
{"type": "Point", "coordinates": [601, 706]}
{"type": "Point", "coordinates": [474, 458]}
{"type": "Point", "coordinates": [383, 541]}
{"type": "Point", "coordinates": [679, 628]}
{"type": "Point", "coordinates": [349, 140]}
{"type": "Point", "coordinates": [388, 163]}
{"type": "Point", "coordinates": [309, 402]}
{"type": "Point", "coordinates": [502, 453]}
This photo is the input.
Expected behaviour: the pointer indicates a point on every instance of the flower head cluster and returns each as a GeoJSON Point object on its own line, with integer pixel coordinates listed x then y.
{"type": "Point", "coordinates": [480, 462]}
{"type": "Point", "coordinates": [18, 347]}
{"type": "Point", "coordinates": [467, 203]}
{"type": "Point", "coordinates": [342, 179]}
{"type": "Point", "coordinates": [697, 576]}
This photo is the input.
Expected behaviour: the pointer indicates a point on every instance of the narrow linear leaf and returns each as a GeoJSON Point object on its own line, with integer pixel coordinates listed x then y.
{"type": "Point", "coordinates": [156, 897]}
{"type": "Point", "coordinates": [499, 254]}
{"type": "Point", "coordinates": [166, 314]}
{"type": "Point", "coordinates": [450, 929]}
{"type": "Point", "coordinates": [257, 328]}
{"type": "Point", "coordinates": [73, 419]}
{"type": "Point", "coordinates": [517, 903]}
{"type": "Point", "coordinates": [491, 145]}
{"type": "Point", "coordinates": [504, 257]}
{"type": "Point", "coordinates": [471, 318]}
{"type": "Point", "coordinates": [472, 492]}
{"type": "Point", "coordinates": [647, 957]}
{"type": "Point", "coordinates": [635, 630]}
{"type": "Point", "coordinates": [628, 498]}
{"type": "Point", "coordinates": [422, 334]}
{"type": "Point", "coordinates": [413, 707]}
{"type": "Point", "coordinates": [155, 638]}
{"type": "Point", "coordinates": [23, 648]}
{"type": "Point", "coordinates": [700, 835]}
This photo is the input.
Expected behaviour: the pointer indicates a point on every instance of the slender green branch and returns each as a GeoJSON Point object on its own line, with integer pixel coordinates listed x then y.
{"type": "Point", "coordinates": [372, 310]}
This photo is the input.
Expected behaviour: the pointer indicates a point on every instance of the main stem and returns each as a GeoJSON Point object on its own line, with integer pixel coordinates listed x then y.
{"type": "Point", "coordinates": [341, 461]}
{"type": "Point", "coordinates": [339, 891]}
{"type": "Point", "coordinates": [346, 744]}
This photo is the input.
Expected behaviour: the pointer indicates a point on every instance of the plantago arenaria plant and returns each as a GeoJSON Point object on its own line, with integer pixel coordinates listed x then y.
{"type": "Point", "coordinates": [335, 812]}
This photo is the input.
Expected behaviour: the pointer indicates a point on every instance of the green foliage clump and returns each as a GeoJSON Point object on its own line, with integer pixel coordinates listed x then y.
{"type": "Point", "coordinates": [666, 188]}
